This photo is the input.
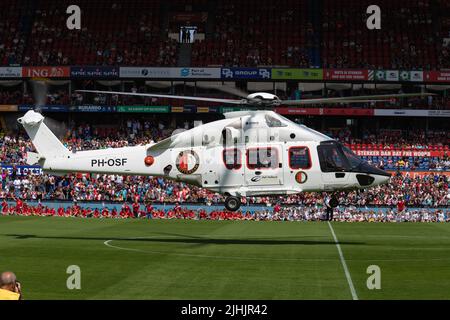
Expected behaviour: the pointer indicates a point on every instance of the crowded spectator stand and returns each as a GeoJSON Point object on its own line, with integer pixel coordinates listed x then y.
{"type": "Point", "coordinates": [126, 211]}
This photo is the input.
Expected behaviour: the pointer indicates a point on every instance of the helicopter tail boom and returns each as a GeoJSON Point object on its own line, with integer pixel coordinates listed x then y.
{"type": "Point", "coordinates": [46, 143]}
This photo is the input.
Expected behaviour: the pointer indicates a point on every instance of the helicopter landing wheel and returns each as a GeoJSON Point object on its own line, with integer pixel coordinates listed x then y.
{"type": "Point", "coordinates": [232, 203]}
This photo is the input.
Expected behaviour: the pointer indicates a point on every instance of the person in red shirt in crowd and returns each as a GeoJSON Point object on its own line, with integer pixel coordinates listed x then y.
{"type": "Point", "coordinates": [96, 213]}
{"type": "Point", "coordinates": [25, 208]}
{"type": "Point", "coordinates": [19, 206]}
{"type": "Point", "coordinates": [203, 215]}
{"type": "Point", "coordinates": [126, 210]}
{"type": "Point", "coordinates": [25, 211]}
{"type": "Point", "coordinates": [114, 213]}
{"type": "Point", "coordinates": [136, 207]}
{"type": "Point", "coordinates": [149, 209]}
{"type": "Point", "coordinates": [277, 208]}
{"type": "Point", "coordinates": [123, 213]}
{"type": "Point", "coordinates": [401, 205]}
{"type": "Point", "coordinates": [130, 214]}
{"type": "Point", "coordinates": [30, 211]}
{"type": "Point", "coordinates": [171, 214]}
{"type": "Point", "coordinates": [4, 207]}
{"type": "Point", "coordinates": [61, 212]}
{"type": "Point", "coordinates": [105, 213]}
{"type": "Point", "coordinates": [68, 212]}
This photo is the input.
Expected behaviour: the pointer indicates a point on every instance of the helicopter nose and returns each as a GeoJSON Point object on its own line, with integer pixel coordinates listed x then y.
{"type": "Point", "coordinates": [371, 176]}
{"type": "Point", "coordinates": [367, 168]}
{"type": "Point", "coordinates": [381, 179]}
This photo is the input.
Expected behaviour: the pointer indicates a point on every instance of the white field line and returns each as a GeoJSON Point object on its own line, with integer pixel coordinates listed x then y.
{"type": "Point", "coordinates": [344, 264]}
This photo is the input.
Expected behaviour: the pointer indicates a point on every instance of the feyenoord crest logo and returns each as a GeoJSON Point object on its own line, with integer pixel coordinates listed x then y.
{"type": "Point", "coordinates": [301, 177]}
{"type": "Point", "coordinates": [187, 162]}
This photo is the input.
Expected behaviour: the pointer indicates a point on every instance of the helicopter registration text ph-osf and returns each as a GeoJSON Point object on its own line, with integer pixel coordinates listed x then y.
{"type": "Point", "coordinates": [249, 153]}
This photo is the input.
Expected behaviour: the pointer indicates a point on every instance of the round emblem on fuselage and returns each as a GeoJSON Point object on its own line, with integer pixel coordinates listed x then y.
{"type": "Point", "coordinates": [187, 161]}
{"type": "Point", "coordinates": [301, 177]}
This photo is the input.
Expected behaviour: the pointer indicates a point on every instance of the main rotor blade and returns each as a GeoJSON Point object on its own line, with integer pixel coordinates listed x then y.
{"type": "Point", "coordinates": [223, 88]}
{"type": "Point", "coordinates": [355, 99]}
{"type": "Point", "coordinates": [151, 95]}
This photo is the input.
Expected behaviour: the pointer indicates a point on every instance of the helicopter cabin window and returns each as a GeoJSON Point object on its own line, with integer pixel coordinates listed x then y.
{"type": "Point", "coordinates": [273, 122]}
{"type": "Point", "coordinates": [262, 158]}
{"type": "Point", "coordinates": [299, 158]}
{"type": "Point", "coordinates": [232, 159]}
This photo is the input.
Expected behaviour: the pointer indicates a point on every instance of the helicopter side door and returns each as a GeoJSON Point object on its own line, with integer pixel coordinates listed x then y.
{"type": "Point", "coordinates": [263, 152]}
{"type": "Point", "coordinates": [334, 165]}
{"type": "Point", "coordinates": [264, 165]}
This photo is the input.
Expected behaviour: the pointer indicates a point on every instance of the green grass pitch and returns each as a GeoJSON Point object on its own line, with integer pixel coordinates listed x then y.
{"type": "Point", "coordinates": [177, 259]}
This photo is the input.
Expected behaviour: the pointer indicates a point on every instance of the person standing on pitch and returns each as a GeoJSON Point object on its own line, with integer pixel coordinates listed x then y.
{"type": "Point", "coordinates": [330, 203]}
{"type": "Point", "coordinates": [10, 288]}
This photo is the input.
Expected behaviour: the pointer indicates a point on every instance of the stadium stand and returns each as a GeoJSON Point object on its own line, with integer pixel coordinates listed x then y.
{"type": "Point", "coordinates": [12, 42]}
{"type": "Point", "coordinates": [250, 33]}
{"type": "Point", "coordinates": [281, 32]}
{"type": "Point", "coordinates": [113, 34]}
{"type": "Point", "coordinates": [410, 42]}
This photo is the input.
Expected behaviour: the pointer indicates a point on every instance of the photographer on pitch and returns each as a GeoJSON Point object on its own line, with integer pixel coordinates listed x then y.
{"type": "Point", "coordinates": [10, 288]}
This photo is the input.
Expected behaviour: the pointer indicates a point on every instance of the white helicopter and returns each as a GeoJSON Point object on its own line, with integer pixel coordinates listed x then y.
{"type": "Point", "coordinates": [249, 153]}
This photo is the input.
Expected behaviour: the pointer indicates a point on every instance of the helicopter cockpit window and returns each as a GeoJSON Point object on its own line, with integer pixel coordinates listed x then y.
{"type": "Point", "coordinates": [332, 158]}
{"type": "Point", "coordinates": [352, 158]}
{"type": "Point", "coordinates": [262, 158]}
{"type": "Point", "coordinates": [273, 122]}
